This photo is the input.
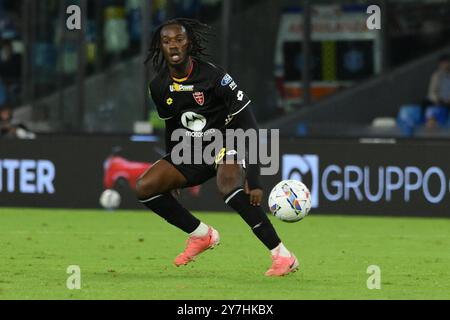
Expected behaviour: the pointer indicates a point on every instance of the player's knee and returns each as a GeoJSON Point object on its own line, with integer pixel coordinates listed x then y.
{"type": "Point", "coordinates": [146, 188]}
{"type": "Point", "coordinates": [227, 183]}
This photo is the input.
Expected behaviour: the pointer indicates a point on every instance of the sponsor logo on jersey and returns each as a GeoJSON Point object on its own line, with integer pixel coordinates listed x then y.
{"type": "Point", "coordinates": [193, 121]}
{"type": "Point", "coordinates": [175, 87]}
{"type": "Point", "coordinates": [199, 134]}
{"type": "Point", "coordinates": [226, 80]}
{"type": "Point", "coordinates": [199, 98]}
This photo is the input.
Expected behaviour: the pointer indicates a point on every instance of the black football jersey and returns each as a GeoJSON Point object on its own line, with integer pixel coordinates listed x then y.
{"type": "Point", "coordinates": [207, 98]}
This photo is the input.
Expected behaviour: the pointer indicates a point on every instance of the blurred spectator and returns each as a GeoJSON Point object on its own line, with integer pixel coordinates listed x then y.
{"type": "Point", "coordinates": [10, 69]}
{"type": "Point", "coordinates": [9, 19]}
{"type": "Point", "coordinates": [9, 129]}
{"type": "Point", "coordinates": [116, 34]}
{"type": "Point", "coordinates": [3, 93]}
{"type": "Point", "coordinates": [6, 129]}
{"type": "Point", "coordinates": [160, 12]}
{"type": "Point", "coordinates": [10, 62]}
{"type": "Point", "coordinates": [186, 8]}
{"type": "Point", "coordinates": [439, 89]}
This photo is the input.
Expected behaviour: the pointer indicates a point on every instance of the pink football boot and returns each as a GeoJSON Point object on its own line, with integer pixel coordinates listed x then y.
{"type": "Point", "coordinates": [282, 266]}
{"type": "Point", "coordinates": [196, 245]}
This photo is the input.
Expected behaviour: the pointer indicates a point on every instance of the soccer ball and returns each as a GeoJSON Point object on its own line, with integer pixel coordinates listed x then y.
{"type": "Point", "coordinates": [290, 201]}
{"type": "Point", "coordinates": [110, 199]}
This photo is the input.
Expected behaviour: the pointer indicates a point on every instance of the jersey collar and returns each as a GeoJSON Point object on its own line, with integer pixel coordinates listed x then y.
{"type": "Point", "coordinates": [188, 75]}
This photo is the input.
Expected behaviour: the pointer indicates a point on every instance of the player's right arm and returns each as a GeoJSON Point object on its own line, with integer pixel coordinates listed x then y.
{"type": "Point", "coordinates": [164, 113]}
{"type": "Point", "coordinates": [171, 125]}
{"type": "Point", "coordinates": [240, 116]}
{"type": "Point", "coordinates": [162, 107]}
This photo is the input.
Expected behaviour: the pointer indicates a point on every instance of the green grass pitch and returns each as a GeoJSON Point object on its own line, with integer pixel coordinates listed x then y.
{"type": "Point", "coordinates": [128, 255]}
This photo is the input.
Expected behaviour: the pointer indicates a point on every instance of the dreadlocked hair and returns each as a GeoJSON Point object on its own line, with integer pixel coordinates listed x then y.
{"type": "Point", "coordinates": [197, 33]}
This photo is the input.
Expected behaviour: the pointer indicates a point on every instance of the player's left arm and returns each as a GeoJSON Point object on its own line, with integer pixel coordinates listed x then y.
{"type": "Point", "coordinates": [241, 116]}
{"type": "Point", "coordinates": [246, 120]}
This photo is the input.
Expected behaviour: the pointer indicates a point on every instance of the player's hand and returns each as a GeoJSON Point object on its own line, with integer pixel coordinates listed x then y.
{"type": "Point", "coordinates": [256, 195]}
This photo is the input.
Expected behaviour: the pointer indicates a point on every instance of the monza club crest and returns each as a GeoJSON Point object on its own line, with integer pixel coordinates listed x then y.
{"type": "Point", "coordinates": [199, 98]}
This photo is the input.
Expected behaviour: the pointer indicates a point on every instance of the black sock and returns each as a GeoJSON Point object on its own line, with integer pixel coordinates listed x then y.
{"type": "Point", "coordinates": [255, 217]}
{"type": "Point", "coordinates": [167, 207]}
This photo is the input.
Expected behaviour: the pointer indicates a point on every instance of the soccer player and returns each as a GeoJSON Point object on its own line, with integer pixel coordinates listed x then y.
{"type": "Point", "coordinates": [198, 96]}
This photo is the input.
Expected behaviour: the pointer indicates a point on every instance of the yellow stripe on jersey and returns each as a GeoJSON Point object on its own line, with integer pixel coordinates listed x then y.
{"type": "Point", "coordinates": [180, 80]}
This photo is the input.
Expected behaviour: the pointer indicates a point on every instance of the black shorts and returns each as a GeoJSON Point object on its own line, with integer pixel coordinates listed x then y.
{"type": "Point", "coordinates": [197, 174]}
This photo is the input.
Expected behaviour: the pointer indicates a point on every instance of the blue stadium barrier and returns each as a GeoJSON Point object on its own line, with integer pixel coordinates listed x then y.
{"type": "Point", "coordinates": [302, 130]}
{"type": "Point", "coordinates": [438, 113]}
{"type": "Point", "coordinates": [409, 117]}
